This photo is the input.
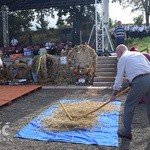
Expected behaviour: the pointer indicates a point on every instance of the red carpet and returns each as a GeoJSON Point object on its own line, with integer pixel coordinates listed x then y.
{"type": "Point", "coordinates": [9, 93]}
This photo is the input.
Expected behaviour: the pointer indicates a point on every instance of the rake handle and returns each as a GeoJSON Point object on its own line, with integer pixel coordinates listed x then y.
{"type": "Point", "coordinates": [119, 94]}
{"type": "Point", "coordinates": [122, 92]}
{"type": "Point", "coordinates": [66, 111]}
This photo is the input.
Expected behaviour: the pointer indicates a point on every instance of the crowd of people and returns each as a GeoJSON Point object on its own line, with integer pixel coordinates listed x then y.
{"type": "Point", "coordinates": [31, 50]}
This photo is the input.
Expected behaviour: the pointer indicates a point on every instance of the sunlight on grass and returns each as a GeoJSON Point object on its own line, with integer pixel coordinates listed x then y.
{"type": "Point", "coordinates": [140, 44]}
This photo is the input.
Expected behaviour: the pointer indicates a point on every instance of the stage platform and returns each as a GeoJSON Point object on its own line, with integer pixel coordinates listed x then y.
{"type": "Point", "coordinates": [8, 93]}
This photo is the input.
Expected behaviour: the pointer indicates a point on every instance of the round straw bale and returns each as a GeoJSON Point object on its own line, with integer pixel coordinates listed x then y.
{"type": "Point", "coordinates": [45, 67]}
{"type": "Point", "coordinates": [82, 62]}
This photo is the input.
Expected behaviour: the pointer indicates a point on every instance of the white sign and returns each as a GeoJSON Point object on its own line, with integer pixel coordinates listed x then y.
{"type": "Point", "coordinates": [81, 80]}
{"type": "Point", "coordinates": [63, 60]}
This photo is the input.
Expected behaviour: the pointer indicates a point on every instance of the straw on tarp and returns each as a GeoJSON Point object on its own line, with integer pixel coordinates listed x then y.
{"type": "Point", "coordinates": [59, 120]}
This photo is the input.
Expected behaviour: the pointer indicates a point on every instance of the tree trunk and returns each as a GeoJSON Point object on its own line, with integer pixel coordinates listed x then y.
{"type": "Point", "coordinates": [147, 14]}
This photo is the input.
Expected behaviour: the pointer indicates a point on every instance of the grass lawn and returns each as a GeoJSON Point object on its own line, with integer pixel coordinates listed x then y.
{"type": "Point", "coordinates": [143, 45]}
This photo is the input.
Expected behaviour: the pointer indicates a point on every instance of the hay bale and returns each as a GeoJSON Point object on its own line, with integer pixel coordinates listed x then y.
{"type": "Point", "coordinates": [17, 71]}
{"type": "Point", "coordinates": [63, 75]}
{"type": "Point", "coordinates": [52, 66]}
{"type": "Point", "coordinates": [45, 67]}
{"type": "Point", "coordinates": [3, 73]}
{"type": "Point", "coordinates": [59, 121]}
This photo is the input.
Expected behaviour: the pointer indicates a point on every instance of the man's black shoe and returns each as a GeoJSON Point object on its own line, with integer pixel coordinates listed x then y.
{"type": "Point", "coordinates": [121, 134]}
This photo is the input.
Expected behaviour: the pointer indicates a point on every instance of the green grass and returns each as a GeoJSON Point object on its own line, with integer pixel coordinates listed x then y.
{"type": "Point", "coordinates": [140, 44]}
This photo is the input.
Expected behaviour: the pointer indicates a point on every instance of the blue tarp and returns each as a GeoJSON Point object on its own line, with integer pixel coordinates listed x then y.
{"type": "Point", "coordinates": [103, 134]}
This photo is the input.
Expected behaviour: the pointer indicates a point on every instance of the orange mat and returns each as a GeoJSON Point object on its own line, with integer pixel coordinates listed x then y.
{"type": "Point", "coordinates": [9, 93]}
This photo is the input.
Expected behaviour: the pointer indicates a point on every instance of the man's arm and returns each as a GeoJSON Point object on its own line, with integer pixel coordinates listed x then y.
{"type": "Point", "coordinates": [120, 74]}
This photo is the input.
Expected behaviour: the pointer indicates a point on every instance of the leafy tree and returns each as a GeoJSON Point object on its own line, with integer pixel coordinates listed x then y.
{"type": "Point", "coordinates": [82, 13]}
{"type": "Point", "coordinates": [143, 5]}
{"type": "Point", "coordinates": [40, 15]}
{"type": "Point", "coordinates": [138, 20]}
{"type": "Point", "coordinates": [60, 23]}
{"type": "Point", "coordinates": [40, 18]}
{"type": "Point", "coordinates": [18, 22]}
{"type": "Point", "coordinates": [111, 23]}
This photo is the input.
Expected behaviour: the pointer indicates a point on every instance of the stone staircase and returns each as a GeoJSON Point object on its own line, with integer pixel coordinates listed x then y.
{"type": "Point", "coordinates": [105, 71]}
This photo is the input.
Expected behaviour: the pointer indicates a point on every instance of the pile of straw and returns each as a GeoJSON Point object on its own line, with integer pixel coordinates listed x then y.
{"type": "Point", "coordinates": [59, 121]}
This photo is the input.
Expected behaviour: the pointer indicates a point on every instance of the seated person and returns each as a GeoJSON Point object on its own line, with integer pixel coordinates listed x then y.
{"type": "Point", "coordinates": [59, 47]}
{"type": "Point", "coordinates": [50, 47]}
{"type": "Point", "coordinates": [36, 49]}
{"type": "Point", "coordinates": [14, 42]}
{"type": "Point", "coordinates": [27, 51]}
{"type": "Point", "coordinates": [42, 51]}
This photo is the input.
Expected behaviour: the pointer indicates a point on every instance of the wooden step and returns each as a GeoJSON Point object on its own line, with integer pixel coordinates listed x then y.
{"type": "Point", "coordinates": [106, 65]}
{"type": "Point", "coordinates": [105, 74]}
{"type": "Point", "coordinates": [106, 58]}
{"type": "Point", "coordinates": [103, 84]}
{"type": "Point", "coordinates": [109, 61]}
{"type": "Point", "coordinates": [104, 79]}
{"type": "Point", "coordinates": [105, 69]}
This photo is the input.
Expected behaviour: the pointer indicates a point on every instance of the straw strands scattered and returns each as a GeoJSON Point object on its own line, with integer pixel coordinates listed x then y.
{"type": "Point", "coordinates": [59, 121]}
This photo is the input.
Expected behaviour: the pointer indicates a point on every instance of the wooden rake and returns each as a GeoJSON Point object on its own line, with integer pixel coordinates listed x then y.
{"type": "Point", "coordinates": [85, 115]}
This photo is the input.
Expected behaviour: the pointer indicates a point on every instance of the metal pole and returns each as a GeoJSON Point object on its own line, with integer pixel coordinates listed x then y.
{"type": "Point", "coordinates": [91, 35]}
{"type": "Point", "coordinates": [109, 39]}
{"type": "Point", "coordinates": [96, 28]}
{"type": "Point", "coordinates": [5, 11]}
{"type": "Point", "coordinates": [80, 37]}
{"type": "Point", "coordinates": [105, 23]}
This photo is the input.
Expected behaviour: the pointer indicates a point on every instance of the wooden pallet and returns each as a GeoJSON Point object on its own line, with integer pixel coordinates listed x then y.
{"type": "Point", "coordinates": [9, 93]}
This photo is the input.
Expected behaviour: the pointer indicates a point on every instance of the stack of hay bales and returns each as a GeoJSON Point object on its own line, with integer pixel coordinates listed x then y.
{"type": "Point", "coordinates": [80, 63]}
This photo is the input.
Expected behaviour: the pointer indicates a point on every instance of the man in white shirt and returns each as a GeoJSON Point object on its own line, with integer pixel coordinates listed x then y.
{"type": "Point", "coordinates": [133, 30]}
{"type": "Point", "coordinates": [140, 31]}
{"type": "Point", "coordinates": [127, 28]}
{"type": "Point", "coordinates": [136, 67]}
{"type": "Point", "coordinates": [50, 47]}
